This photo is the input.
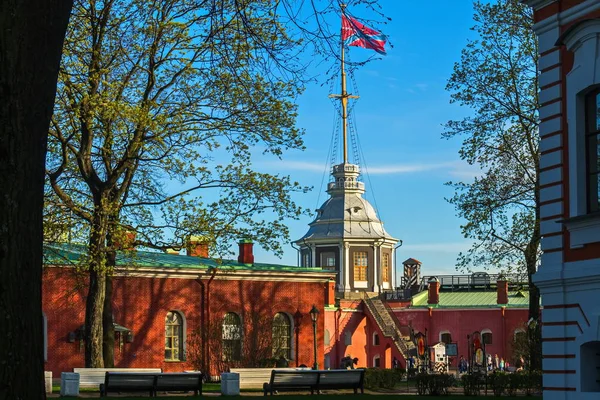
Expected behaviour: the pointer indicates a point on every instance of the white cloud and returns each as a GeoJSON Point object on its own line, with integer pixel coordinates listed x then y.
{"type": "Point", "coordinates": [457, 169]}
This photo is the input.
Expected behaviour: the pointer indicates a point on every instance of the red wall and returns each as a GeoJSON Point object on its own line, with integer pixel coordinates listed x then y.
{"type": "Point", "coordinates": [459, 322]}
{"type": "Point", "coordinates": [141, 304]}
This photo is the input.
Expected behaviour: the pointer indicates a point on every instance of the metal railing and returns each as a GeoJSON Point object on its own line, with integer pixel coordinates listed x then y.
{"type": "Point", "coordinates": [346, 185]}
{"type": "Point", "coordinates": [475, 281]}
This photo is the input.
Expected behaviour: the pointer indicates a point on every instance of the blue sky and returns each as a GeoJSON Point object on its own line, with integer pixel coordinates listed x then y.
{"type": "Point", "coordinates": [399, 116]}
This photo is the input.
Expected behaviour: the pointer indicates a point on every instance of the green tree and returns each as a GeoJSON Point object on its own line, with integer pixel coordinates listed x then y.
{"type": "Point", "coordinates": [497, 78]}
{"type": "Point", "coordinates": [31, 38]}
{"type": "Point", "coordinates": [152, 93]}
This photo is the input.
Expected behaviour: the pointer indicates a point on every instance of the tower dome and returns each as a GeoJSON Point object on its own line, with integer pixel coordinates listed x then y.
{"type": "Point", "coordinates": [347, 236]}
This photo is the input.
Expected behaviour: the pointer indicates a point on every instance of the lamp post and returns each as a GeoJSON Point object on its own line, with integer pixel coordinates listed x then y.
{"type": "Point", "coordinates": [314, 315]}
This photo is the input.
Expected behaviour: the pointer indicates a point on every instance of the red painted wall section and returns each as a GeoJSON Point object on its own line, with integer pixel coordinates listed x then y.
{"type": "Point", "coordinates": [463, 322]}
{"type": "Point", "coordinates": [141, 305]}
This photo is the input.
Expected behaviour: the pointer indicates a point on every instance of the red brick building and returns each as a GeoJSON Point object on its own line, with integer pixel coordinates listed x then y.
{"type": "Point", "coordinates": [161, 300]}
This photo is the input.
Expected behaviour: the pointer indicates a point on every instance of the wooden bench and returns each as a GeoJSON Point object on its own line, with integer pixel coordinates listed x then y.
{"type": "Point", "coordinates": [128, 382]}
{"type": "Point", "coordinates": [93, 377]}
{"type": "Point", "coordinates": [151, 382]}
{"type": "Point", "coordinates": [315, 380]}
{"type": "Point", "coordinates": [254, 378]}
{"type": "Point", "coordinates": [179, 382]}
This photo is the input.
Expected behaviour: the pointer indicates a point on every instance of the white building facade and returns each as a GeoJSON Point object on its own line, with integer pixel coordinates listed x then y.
{"type": "Point", "coordinates": [569, 275]}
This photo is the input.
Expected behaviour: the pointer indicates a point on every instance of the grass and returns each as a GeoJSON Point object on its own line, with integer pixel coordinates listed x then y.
{"type": "Point", "coordinates": [355, 397]}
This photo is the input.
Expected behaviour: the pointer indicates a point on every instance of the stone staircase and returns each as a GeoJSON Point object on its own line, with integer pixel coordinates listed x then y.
{"type": "Point", "coordinates": [389, 325]}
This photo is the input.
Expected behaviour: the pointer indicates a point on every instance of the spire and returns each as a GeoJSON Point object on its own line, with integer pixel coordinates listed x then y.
{"type": "Point", "coordinates": [344, 96]}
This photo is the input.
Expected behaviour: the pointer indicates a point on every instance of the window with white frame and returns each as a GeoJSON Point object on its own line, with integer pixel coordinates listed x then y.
{"type": "Point", "coordinates": [486, 336]}
{"type": "Point", "coordinates": [173, 336]}
{"type": "Point", "coordinates": [232, 337]}
{"type": "Point", "coordinates": [385, 267]}
{"type": "Point", "coordinates": [583, 224]}
{"type": "Point", "coordinates": [592, 148]}
{"type": "Point", "coordinates": [375, 339]}
{"type": "Point", "coordinates": [328, 260]}
{"type": "Point", "coordinates": [445, 337]}
{"type": "Point", "coordinates": [360, 265]}
{"type": "Point", "coordinates": [376, 361]}
{"type": "Point", "coordinates": [281, 336]}
{"type": "Point", "coordinates": [326, 338]}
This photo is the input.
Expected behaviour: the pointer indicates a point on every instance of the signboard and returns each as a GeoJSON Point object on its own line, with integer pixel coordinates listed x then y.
{"type": "Point", "coordinates": [451, 349]}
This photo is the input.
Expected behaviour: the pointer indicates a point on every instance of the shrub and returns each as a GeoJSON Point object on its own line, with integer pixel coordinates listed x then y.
{"type": "Point", "coordinates": [376, 378]}
{"type": "Point", "coordinates": [472, 383]}
{"type": "Point", "coordinates": [499, 382]}
{"type": "Point", "coordinates": [533, 382]}
{"type": "Point", "coordinates": [516, 382]}
{"type": "Point", "coordinates": [434, 384]}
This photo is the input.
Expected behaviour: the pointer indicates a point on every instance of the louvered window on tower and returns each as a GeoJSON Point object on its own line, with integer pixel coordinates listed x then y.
{"type": "Point", "coordinates": [385, 267]}
{"type": "Point", "coordinates": [360, 265]}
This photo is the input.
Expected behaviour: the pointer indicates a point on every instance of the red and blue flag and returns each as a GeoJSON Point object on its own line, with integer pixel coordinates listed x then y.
{"type": "Point", "coordinates": [356, 34]}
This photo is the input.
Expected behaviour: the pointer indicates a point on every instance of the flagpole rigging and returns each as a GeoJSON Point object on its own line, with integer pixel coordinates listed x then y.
{"type": "Point", "coordinates": [344, 96]}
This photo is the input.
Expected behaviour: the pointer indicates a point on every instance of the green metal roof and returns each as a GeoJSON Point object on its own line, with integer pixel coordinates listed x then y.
{"type": "Point", "coordinates": [65, 254]}
{"type": "Point", "coordinates": [478, 299]}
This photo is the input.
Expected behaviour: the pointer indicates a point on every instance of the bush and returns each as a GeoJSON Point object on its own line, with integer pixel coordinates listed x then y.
{"type": "Point", "coordinates": [500, 382]}
{"type": "Point", "coordinates": [434, 384]}
{"type": "Point", "coordinates": [472, 383]}
{"type": "Point", "coordinates": [533, 382]}
{"type": "Point", "coordinates": [377, 378]}
{"type": "Point", "coordinates": [516, 382]}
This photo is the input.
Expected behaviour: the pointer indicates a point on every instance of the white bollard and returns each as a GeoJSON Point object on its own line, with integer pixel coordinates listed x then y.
{"type": "Point", "coordinates": [69, 384]}
{"type": "Point", "coordinates": [48, 381]}
{"type": "Point", "coordinates": [230, 384]}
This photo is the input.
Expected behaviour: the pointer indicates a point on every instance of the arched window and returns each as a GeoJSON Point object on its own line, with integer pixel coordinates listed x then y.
{"type": "Point", "coordinates": [445, 337]}
{"type": "Point", "coordinates": [592, 134]}
{"type": "Point", "coordinates": [375, 339]}
{"type": "Point", "coordinates": [282, 336]}
{"type": "Point", "coordinates": [327, 338]}
{"type": "Point", "coordinates": [173, 336]}
{"type": "Point", "coordinates": [376, 361]}
{"type": "Point", "coordinates": [486, 337]}
{"type": "Point", "coordinates": [385, 267]}
{"type": "Point", "coordinates": [232, 337]}
{"type": "Point", "coordinates": [347, 338]}
{"type": "Point", "coordinates": [519, 335]}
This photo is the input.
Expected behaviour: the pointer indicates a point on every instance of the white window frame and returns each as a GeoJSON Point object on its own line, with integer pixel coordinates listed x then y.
{"type": "Point", "coordinates": [485, 331]}
{"type": "Point", "coordinates": [443, 333]}
{"type": "Point", "coordinates": [376, 336]}
{"type": "Point", "coordinates": [583, 40]}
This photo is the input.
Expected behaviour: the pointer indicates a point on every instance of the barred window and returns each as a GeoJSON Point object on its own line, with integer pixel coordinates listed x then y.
{"type": "Point", "coordinates": [282, 336]}
{"type": "Point", "coordinates": [360, 265]}
{"type": "Point", "coordinates": [232, 337]}
{"type": "Point", "coordinates": [173, 336]}
{"type": "Point", "coordinates": [385, 266]}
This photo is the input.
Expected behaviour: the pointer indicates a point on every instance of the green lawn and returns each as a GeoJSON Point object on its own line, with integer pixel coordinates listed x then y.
{"type": "Point", "coordinates": [358, 397]}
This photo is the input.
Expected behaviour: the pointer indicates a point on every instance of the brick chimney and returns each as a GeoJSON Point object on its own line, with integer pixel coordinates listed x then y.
{"type": "Point", "coordinates": [125, 240]}
{"type": "Point", "coordinates": [246, 256]}
{"type": "Point", "coordinates": [502, 289]}
{"type": "Point", "coordinates": [433, 296]}
{"type": "Point", "coordinates": [197, 247]}
{"type": "Point", "coordinates": [330, 293]}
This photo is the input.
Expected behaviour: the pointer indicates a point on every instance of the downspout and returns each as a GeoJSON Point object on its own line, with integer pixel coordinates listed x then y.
{"type": "Point", "coordinates": [396, 265]}
{"type": "Point", "coordinates": [203, 333]}
{"type": "Point", "coordinates": [297, 252]}
{"type": "Point", "coordinates": [213, 272]}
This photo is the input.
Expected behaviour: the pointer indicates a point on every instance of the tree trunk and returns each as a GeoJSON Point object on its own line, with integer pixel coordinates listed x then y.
{"type": "Point", "coordinates": [108, 341]}
{"type": "Point", "coordinates": [94, 335]}
{"type": "Point", "coordinates": [31, 39]}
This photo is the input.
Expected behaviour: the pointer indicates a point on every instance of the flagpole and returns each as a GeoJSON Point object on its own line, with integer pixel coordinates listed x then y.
{"type": "Point", "coordinates": [344, 96]}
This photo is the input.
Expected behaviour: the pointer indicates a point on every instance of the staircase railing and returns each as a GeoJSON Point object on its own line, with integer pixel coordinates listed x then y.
{"type": "Point", "coordinates": [389, 331]}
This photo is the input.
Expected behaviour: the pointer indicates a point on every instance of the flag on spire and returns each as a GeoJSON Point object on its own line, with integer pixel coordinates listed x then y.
{"type": "Point", "coordinates": [356, 34]}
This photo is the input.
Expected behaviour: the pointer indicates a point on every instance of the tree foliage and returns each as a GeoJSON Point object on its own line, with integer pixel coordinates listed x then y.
{"type": "Point", "coordinates": [497, 79]}
{"type": "Point", "coordinates": [161, 107]}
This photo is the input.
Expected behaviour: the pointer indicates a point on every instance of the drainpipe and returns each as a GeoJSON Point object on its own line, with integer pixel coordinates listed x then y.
{"type": "Point", "coordinates": [396, 265]}
{"type": "Point", "coordinates": [297, 253]}
{"type": "Point", "coordinates": [213, 272]}
{"type": "Point", "coordinates": [203, 335]}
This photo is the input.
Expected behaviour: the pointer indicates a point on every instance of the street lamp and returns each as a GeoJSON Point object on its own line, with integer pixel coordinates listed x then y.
{"type": "Point", "coordinates": [314, 315]}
